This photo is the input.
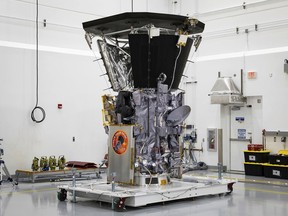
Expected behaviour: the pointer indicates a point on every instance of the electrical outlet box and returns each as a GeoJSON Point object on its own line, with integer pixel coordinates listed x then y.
{"type": "Point", "coordinates": [214, 138]}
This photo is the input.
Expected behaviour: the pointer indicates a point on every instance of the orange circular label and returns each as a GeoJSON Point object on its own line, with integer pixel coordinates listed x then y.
{"type": "Point", "coordinates": [120, 142]}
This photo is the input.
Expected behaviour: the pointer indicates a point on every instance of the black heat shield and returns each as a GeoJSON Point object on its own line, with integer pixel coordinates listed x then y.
{"type": "Point", "coordinates": [150, 56]}
{"type": "Point", "coordinates": [115, 24]}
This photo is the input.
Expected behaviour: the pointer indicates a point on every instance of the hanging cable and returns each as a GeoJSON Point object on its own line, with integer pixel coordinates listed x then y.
{"type": "Point", "coordinates": [175, 65]}
{"type": "Point", "coordinates": [37, 72]}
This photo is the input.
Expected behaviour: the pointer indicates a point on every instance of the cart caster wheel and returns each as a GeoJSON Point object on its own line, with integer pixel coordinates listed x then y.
{"type": "Point", "coordinates": [120, 204]}
{"type": "Point", "coordinates": [62, 195]}
{"type": "Point", "coordinates": [230, 188]}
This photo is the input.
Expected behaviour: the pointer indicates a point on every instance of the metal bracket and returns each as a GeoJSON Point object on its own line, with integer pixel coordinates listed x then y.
{"type": "Point", "coordinates": [276, 133]}
{"type": "Point", "coordinates": [97, 59]}
{"type": "Point", "coordinates": [88, 38]}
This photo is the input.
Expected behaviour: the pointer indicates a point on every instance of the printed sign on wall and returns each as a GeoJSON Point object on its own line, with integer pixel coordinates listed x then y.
{"type": "Point", "coordinates": [241, 133]}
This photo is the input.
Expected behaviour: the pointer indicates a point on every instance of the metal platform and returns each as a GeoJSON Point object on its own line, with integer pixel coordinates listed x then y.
{"type": "Point", "coordinates": [136, 196]}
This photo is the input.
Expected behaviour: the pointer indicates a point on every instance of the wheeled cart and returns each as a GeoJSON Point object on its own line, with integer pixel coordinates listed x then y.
{"type": "Point", "coordinates": [136, 196]}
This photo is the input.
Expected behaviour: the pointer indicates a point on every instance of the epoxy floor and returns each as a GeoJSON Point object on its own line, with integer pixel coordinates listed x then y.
{"type": "Point", "coordinates": [247, 199]}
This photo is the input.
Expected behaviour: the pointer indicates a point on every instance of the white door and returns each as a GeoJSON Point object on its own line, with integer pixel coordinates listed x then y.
{"type": "Point", "coordinates": [245, 127]}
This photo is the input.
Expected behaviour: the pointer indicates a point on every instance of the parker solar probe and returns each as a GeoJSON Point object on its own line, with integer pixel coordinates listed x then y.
{"type": "Point", "coordinates": [144, 55]}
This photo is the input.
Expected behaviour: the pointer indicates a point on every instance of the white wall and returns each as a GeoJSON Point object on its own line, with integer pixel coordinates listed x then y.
{"type": "Point", "coordinates": [223, 50]}
{"type": "Point", "coordinates": [67, 75]}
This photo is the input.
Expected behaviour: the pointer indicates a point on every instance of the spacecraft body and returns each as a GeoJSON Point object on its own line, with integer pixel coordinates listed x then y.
{"type": "Point", "coordinates": [144, 55]}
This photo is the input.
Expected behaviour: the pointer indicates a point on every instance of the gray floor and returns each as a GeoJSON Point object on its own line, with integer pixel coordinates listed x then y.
{"type": "Point", "coordinates": [261, 198]}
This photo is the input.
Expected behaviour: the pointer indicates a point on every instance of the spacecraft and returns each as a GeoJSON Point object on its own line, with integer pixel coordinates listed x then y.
{"type": "Point", "coordinates": [144, 55]}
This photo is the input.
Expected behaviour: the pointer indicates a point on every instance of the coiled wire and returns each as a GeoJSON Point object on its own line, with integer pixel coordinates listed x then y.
{"type": "Point", "coordinates": [37, 73]}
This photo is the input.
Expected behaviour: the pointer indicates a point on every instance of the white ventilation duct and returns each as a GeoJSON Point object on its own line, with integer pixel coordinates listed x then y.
{"type": "Point", "coordinates": [226, 92]}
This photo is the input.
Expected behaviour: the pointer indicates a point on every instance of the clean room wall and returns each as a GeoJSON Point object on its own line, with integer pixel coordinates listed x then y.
{"type": "Point", "coordinates": [67, 75]}
{"type": "Point", "coordinates": [159, 6]}
{"type": "Point", "coordinates": [222, 49]}
{"type": "Point", "coordinates": [73, 79]}
{"type": "Point", "coordinates": [69, 80]}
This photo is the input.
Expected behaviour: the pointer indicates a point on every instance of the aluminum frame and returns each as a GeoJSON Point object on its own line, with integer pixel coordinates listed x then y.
{"type": "Point", "coordinates": [136, 196]}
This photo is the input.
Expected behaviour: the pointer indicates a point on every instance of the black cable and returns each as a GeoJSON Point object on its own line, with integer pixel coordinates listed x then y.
{"type": "Point", "coordinates": [37, 72]}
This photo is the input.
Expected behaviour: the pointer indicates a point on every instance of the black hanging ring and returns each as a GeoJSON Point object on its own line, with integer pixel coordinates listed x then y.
{"type": "Point", "coordinates": [43, 114]}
